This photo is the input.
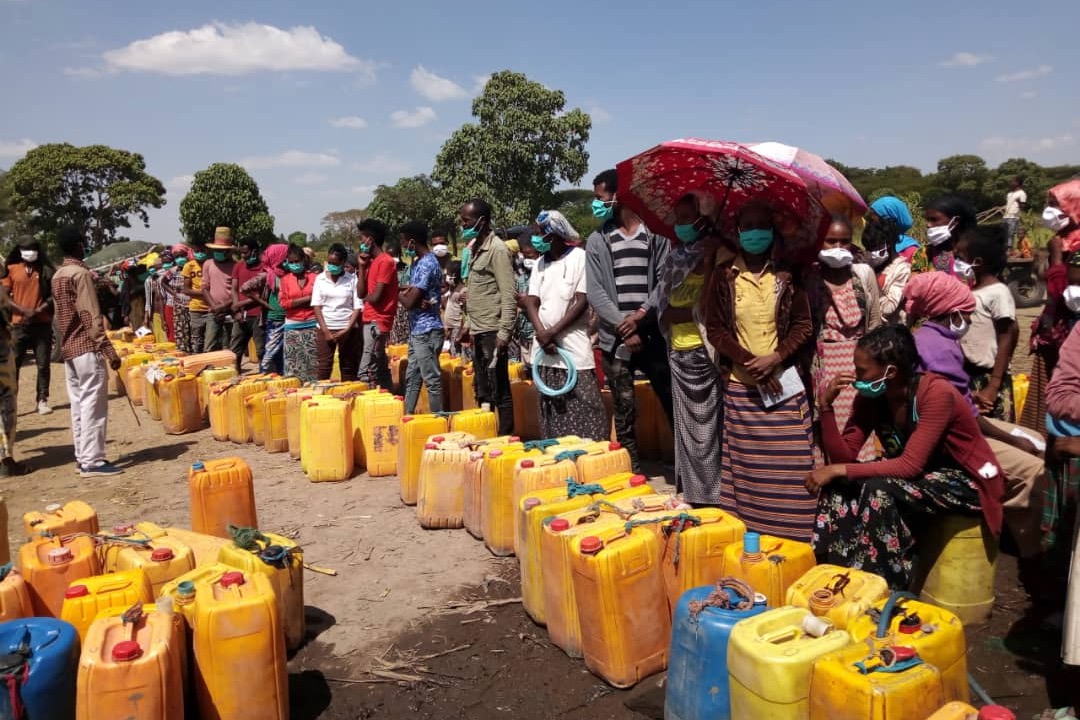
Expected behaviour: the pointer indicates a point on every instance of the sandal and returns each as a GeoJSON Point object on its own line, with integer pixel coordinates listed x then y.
{"type": "Point", "coordinates": [1065, 713]}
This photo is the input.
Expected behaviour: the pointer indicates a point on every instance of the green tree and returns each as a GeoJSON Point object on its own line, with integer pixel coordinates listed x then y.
{"type": "Point", "coordinates": [1036, 182]}
{"type": "Point", "coordinates": [13, 223]}
{"type": "Point", "coordinates": [298, 237]}
{"type": "Point", "coordinates": [523, 144]}
{"type": "Point", "coordinates": [339, 227]}
{"type": "Point", "coordinates": [410, 198]}
{"type": "Point", "coordinates": [224, 194]}
{"type": "Point", "coordinates": [96, 187]}
{"type": "Point", "coordinates": [965, 175]}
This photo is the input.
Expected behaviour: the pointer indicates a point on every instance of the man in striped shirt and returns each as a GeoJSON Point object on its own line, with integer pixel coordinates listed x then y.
{"type": "Point", "coordinates": [624, 265]}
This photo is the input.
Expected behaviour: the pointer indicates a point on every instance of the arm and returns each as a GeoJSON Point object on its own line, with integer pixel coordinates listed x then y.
{"type": "Point", "coordinates": [190, 291]}
{"type": "Point", "coordinates": [316, 302]}
{"type": "Point", "coordinates": [411, 297]}
{"type": "Point", "coordinates": [800, 328]}
{"type": "Point", "coordinates": [873, 298]}
{"type": "Point", "coordinates": [1008, 334]}
{"type": "Point", "coordinates": [6, 301]}
{"type": "Point", "coordinates": [577, 308]}
{"type": "Point", "coordinates": [893, 293]}
{"type": "Point", "coordinates": [503, 269]}
{"type": "Point", "coordinates": [844, 447]}
{"type": "Point", "coordinates": [661, 249]}
{"type": "Point", "coordinates": [604, 305]}
{"type": "Point", "coordinates": [86, 307]}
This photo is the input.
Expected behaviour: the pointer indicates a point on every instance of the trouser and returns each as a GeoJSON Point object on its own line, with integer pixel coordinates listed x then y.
{"type": "Point", "coordinates": [243, 331]}
{"type": "Point", "coordinates": [374, 363]}
{"type": "Point", "coordinates": [39, 337]}
{"type": "Point", "coordinates": [219, 330]}
{"type": "Point", "coordinates": [492, 383]}
{"type": "Point", "coordinates": [9, 397]}
{"type": "Point", "coordinates": [348, 349]}
{"type": "Point", "coordinates": [424, 365]}
{"type": "Point", "coordinates": [1012, 229]}
{"type": "Point", "coordinates": [653, 361]}
{"type": "Point", "coordinates": [198, 330]}
{"type": "Point", "coordinates": [88, 392]}
{"type": "Point", "coordinates": [273, 357]}
{"type": "Point", "coordinates": [170, 323]}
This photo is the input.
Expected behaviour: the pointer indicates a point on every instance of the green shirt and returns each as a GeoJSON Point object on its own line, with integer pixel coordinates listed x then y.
{"type": "Point", "coordinates": [276, 313]}
{"type": "Point", "coordinates": [492, 301]}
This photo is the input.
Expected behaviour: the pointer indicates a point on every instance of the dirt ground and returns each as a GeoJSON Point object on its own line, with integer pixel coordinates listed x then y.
{"type": "Point", "coordinates": [415, 602]}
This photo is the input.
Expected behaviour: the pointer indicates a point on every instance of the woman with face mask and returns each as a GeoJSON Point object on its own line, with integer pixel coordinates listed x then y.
{"type": "Point", "coordinates": [879, 239]}
{"type": "Point", "coordinates": [936, 461]}
{"type": "Point", "coordinates": [26, 293]}
{"type": "Point", "coordinates": [893, 213]}
{"type": "Point", "coordinates": [844, 304]}
{"type": "Point", "coordinates": [337, 310]}
{"type": "Point", "coordinates": [947, 218]}
{"type": "Point", "coordinates": [1048, 333]}
{"type": "Point", "coordinates": [525, 262]}
{"type": "Point", "coordinates": [759, 322]}
{"type": "Point", "coordinates": [301, 327]}
{"type": "Point", "coordinates": [173, 282]}
{"type": "Point", "coordinates": [1062, 216]}
{"type": "Point", "coordinates": [198, 309]}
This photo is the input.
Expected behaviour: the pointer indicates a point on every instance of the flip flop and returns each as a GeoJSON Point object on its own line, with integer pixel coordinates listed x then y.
{"type": "Point", "coordinates": [1065, 713]}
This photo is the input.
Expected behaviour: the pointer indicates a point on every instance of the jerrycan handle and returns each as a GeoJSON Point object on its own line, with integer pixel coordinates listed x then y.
{"type": "Point", "coordinates": [887, 612]}
{"type": "Point", "coordinates": [781, 636]}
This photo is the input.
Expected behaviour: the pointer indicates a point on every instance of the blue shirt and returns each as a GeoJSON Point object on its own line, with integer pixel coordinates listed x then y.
{"type": "Point", "coordinates": [427, 277]}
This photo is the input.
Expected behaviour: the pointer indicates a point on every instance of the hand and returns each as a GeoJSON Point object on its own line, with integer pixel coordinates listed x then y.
{"type": "Point", "coordinates": [763, 366]}
{"type": "Point", "coordinates": [822, 476]}
{"type": "Point", "coordinates": [115, 363]}
{"type": "Point", "coordinates": [521, 300]}
{"type": "Point", "coordinates": [634, 343]}
{"type": "Point", "coordinates": [543, 337]}
{"type": "Point", "coordinates": [327, 336]}
{"type": "Point", "coordinates": [771, 385]}
{"type": "Point", "coordinates": [1027, 446]}
{"type": "Point", "coordinates": [629, 324]}
{"type": "Point", "coordinates": [551, 348]}
{"type": "Point", "coordinates": [501, 345]}
{"type": "Point", "coordinates": [985, 399]}
{"type": "Point", "coordinates": [836, 386]}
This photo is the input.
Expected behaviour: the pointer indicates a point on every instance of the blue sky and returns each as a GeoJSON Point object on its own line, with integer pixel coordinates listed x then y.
{"type": "Point", "coordinates": [322, 101]}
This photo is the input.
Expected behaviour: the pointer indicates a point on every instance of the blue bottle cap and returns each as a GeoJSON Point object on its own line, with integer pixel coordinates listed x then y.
{"type": "Point", "coordinates": [752, 542]}
{"type": "Point", "coordinates": [186, 588]}
{"type": "Point", "coordinates": [198, 466]}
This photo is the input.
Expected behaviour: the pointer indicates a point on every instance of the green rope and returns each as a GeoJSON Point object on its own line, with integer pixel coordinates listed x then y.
{"type": "Point", "coordinates": [571, 455]}
{"type": "Point", "coordinates": [539, 444]}
{"type": "Point", "coordinates": [248, 538]}
{"type": "Point", "coordinates": [575, 489]}
{"type": "Point", "coordinates": [679, 524]}
{"type": "Point", "coordinates": [5, 569]}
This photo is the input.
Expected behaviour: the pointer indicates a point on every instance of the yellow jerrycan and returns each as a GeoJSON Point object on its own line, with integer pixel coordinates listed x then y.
{"type": "Point", "coordinates": [839, 594]}
{"type": "Point", "coordinates": [255, 408]}
{"type": "Point", "coordinates": [481, 423]}
{"type": "Point", "coordinates": [59, 520]}
{"type": "Point", "coordinates": [532, 474]}
{"type": "Point", "coordinates": [602, 460]}
{"type": "Point", "coordinates": [15, 600]}
{"type": "Point", "coordinates": [222, 493]}
{"type": "Point", "coordinates": [768, 564]}
{"type": "Point", "coordinates": [293, 400]}
{"type": "Point", "coordinates": [497, 500]}
{"type": "Point", "coordinates": [207, 378]}
{"type": "Point", "coordinates": [275, 425]}
{"type": "Point", "coordinates": [326, 439]}
{"type": "Point", "coordinates": [49, 565]}
{"type": "Point", "coordinates": [381, 433]}
{"type": "Point", "coordinates": [959, 554]}
{"type": "Point", "coordinates": [84, 599]}
{"type": "Point", "coordinates": [415, 431]}
{"type": "Point", "coordinates": [217, 409]}
{"type": "Point", "coordinates": [526, 410]}
{"type": "Point", "coordinates": [441, 494]}
{"type": "Point", "coordinates": [180, 411]}
{"type": "Point", "coordinates": [694, 542]}
{"type": "Point", "coordinates": [155, 375]}
{"type": "Point", "coordinates": [162, 558]}
{"type": "Point", "coordinates": [204, 548]}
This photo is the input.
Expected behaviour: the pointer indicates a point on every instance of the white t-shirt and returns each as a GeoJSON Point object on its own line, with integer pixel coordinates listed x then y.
{"type": "Point", "coordinates": [337, 299]}
{"type": "Point", "coordinates": [1013, 201]}
{"type": "Point", "coordinates": [556, 283]}
{"type": "Point", "coordinates": [993, 302]}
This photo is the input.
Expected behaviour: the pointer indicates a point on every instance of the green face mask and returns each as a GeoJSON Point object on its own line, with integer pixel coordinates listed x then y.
{"type": "Point", "coordinates": [471, 233]}
{"type": "Point", "coordinates": [410, 253]}
{"type": "Point", "coordinates": [603, 211]}
{"type": "Point", "coordinates": [365, 249]}
{"type": "Point", "coordinates": [181, 261]}
{"type": "Point", "coordinates": [200, 256]}
{"type": "Point", "coordinates": [252, 261]}
{"type": "Point", "coordinates": [220, 256]}
{"type": "Point", "coordinates": [541, 245]}
{"type": "Point", "coordinates": [294, 267]}
{"type": "Point", "coordinates": [166, 266]}
{"type": "Point", "coordinates": [333, 269]}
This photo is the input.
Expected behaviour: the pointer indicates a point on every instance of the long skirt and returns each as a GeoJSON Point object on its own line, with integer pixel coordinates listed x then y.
{"type": "Point", "coordinates": [868, 524]}
{"type": "Point", "coordinates": [9, 396]}
{"type": "Point", "coordinates": [183, 328]}
{"type": "Point", "coordinates": [301, 354]}
{"type": "Point", "coordinates": [766, 456]}
{"type": "Point", "coordinates": [697, 397]}
{"type": "Point", "coordinates": [1034, 415]}
{"type": "Point", "coordinates": [832, 359]}
{"type": "Point", "coordinates": [579, 412]}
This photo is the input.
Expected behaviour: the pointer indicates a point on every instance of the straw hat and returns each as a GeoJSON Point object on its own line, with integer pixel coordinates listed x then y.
{"type": "Point", "coordinates": [223, 239]}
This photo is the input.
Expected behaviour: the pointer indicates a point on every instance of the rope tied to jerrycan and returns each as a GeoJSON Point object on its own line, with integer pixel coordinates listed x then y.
{"type": "Point", "coordinates": [679, 524]}
{"type": "Point", "coordinates": [575, 489]}
{"type": "Point", "coordinates": [720, 596]}
{"type": "Point", "coordinates": [257, 543]}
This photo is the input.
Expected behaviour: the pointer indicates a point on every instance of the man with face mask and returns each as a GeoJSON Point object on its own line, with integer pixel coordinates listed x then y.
{"type": "Point", "coordinates": [198, 309]}
{"type": "Point", "coordinates": [217, 288]}
{"type": "Point", "coordinates": [247, 313]}
{"type": "Point", "coordinates": [377, 286]}
{"type": "Point", "coordinates": [423, 300]}
{"type": "Point", "coordinates": [27, 295]}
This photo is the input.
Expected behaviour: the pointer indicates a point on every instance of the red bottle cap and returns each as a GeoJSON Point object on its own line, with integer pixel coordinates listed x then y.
{"type": "Point", "coordinates": [515, 438]}
{"type": "Point", "coordinates": [407, 418]}
{"type": "Point", "coordinates": [527, 464]}
{"type": "Point", "coordinates": [76, 591]}
{"type": "Point", "coordinates": [532, 502]}
{"type": "Point", "coordinates": [615, 446]}
{"type": "Point", "coordinates": [638, 480]}
{"type": "Point", "coordinates": [996, 712]}
{"type": "Point", "coordinates": [431, 446]}
{"type": "Point", "coordinates": [494, 453]}
{"type": "Point", "coordinates": [232, 578]}
{"type": "Point", "coordinates": [438, 439]}
{"type": "Point", "coordinates": [126, 650]}
{"type": "Point", "coordinates": [560, 525]}
{"type": "Point", "coordinates": [59, 556]}
{"type": "Point", "coordinates": [123, 529]}
{"type": "Point", "coordinates": [162, 554]}
{"type": "Point", "coordinates": [591, 545]}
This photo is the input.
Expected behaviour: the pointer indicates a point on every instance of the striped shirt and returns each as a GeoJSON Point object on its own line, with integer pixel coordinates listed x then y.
{"type": "Point", "coordinates": [631, 260]}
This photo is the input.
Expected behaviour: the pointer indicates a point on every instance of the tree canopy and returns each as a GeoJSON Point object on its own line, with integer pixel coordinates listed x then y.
{"type": "Point", "coordinates": [224, 194]}
{"type": "Point", "coordinates": [410, 198]}
{"type": "Point", "coordinates": [522, 146]}
{"type": "Point", "coordinates": [96, 188]}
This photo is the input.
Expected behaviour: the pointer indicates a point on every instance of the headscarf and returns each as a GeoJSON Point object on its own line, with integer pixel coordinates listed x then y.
{"type": "Point", "coordinates": [1067, 195]}
{"type": "Point", "coordinates": [895, 209]}
{"type": "Point", "coordinates": [555, 223]}
{"type": "Point", "coordinates": [274, 255]}
{"type": "Point", "coordinates": [937, 293]}
{"type": "Point", "coordinates": [180, 249]}
{"type": "Point", "coordinates": [513, 246]}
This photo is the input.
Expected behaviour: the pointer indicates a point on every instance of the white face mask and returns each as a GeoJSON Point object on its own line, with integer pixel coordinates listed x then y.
{"type": "Point", "coordinates": [529, 263]}
{"type": "Point", "coordinates": [1055, 219]}
{"type": "Point", "coordinates": [879, 257]}
{"type": "Point", "coordinates": [441, 250]}
{"type": "Point", "coordinates": [29, 255]}
{"type": "Point", "coordinates": [1072, 298]}
{"type": "Point", "coordinates": [960, 328]}
{"type": "Point", "coordinates": [940, 234]}
{"type": "Point", "coordinates": [963, 270]}
{"type": "Point", "coordinates": [836, 257]}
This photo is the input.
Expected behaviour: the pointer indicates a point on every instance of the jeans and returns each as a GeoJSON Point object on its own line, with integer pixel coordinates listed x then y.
{"type": "Point", "coordinates": [218, 332]}
{"type": "Point", "coordinates": [38, 336]}
{"type": "Point", "coordinates": [198, 331]}
{"type": "Point", "coordinates": [493, 383]}
{"type": "Point", "coordinates": [88, 391]}
{"type": "Point", "coordinates": [653, 361]}
{"type": "Point", "coordinates": [1012, 226]}
{"type": "Point", "coordinates": [374, 363]}
{"type": "Point", "coordinates": [424, 364]}
{"type": "Point", "coordinates": [348, 350]}
{"type": "Point", "coordinates": [243, 331]}
{"type": "Point", "coordinates": [273, 358]}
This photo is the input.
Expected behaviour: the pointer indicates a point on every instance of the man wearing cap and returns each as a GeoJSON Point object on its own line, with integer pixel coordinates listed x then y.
{"type": "Point", "coordinates": [217, 287]}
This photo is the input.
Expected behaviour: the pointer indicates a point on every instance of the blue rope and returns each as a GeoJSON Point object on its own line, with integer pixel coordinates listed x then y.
{"type": "Point", "coordinates": [539, 444]}
{"type": "Point", "coordinates": [570, 455]}
{"type": "Point", "coordinates": [571, 374]}
{"type": "Point", "coordinates": [575, 489]}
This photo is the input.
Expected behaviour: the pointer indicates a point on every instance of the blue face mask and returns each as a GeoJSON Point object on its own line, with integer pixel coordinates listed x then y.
{"type": "Point", "coordinates": [252, 261]}
{"type": "Point", "coordinates": [471, 233]}
{"type": "Point", "coordinates": [872, 388]}
{"type": "Point", "coordinates": [334, 269]}
{"type": "Point", "coordinates": [200, 256]}
{"type": "Point", "coordinates": [603, 211]}
{"type": "Point", "coordinates": [294, 267]}
{"type": "Point", "coordinates": [687, 233]}
{"type": "Point", "coordinates": [220, 256]}
{"type": "Point", "coordinates": [181, 261]}
{"type": "Point", "coordinates": [542, 246]}
{"type": "Point", "coordinates": [756, 242]}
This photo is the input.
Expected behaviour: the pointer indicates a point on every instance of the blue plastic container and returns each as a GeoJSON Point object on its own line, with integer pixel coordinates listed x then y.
{"type": "Point", "coordinates": [44, 651]}
{"type": "Point", "coordinates": [697, 681]}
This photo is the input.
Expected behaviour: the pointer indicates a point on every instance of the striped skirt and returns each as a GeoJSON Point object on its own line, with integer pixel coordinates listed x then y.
{"type": "Point", "coordinates": [832, 359]}
{"type": "Point", "coordinates": [765, 457]}
{"type": "Point", "coordinates": [697, 397]}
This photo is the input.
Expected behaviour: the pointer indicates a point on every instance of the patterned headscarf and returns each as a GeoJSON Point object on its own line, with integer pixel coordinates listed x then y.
{"type": "Point", "coordinates": [1067, 195]}
{"type": "Point", "coordinates": [933, 294]}
{"type": "Point", "coordinates": [555, 223]}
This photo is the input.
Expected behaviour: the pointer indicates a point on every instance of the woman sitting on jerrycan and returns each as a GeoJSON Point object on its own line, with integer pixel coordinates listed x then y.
{"type": "Point", "coordinates": [936, 461]}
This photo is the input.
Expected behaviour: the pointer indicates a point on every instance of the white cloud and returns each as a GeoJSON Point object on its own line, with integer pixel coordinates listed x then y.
{"type": "Point", "coordinates": [1004, 145]}
{"type": "Point", "coordinates": [16, 148]}
{"type": "Point", "coordinates": [180, 182]}
{"type": "Point", "coordinates": [291, 158]}
{"type": "Point", "coordinates": [479, 82]}
{"type": "Point", "coordinates": [966, 59]}
{"type": "Point", "coordinates": [405, 119]}
{"type": "Point", "coordinates": [599, 114]}
{"type": "Point", "coordinates": [349, 121]}
{"type": "Point", "coordinates": [435, 87]}
{"type": "Point", "coordinates": [310, 178]}
{"type": "Point", "coordinates": [236, 49]}
{"type": "Point", "coordinates": [1041, 71]}
{"type": "Point", "coordinates": [382, 164]}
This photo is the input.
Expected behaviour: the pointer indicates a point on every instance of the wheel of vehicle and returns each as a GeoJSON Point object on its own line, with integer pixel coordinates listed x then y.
{"type": "Point", "coordinates": [1028, 293]}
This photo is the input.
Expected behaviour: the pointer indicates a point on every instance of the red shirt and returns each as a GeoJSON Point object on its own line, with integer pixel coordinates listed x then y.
{"type": "Point", "coordinates": [291, 291]}
{"type": "Point", "coordinates": [241, 273]}
{"type": "Point", "coordinates": [383, 269]}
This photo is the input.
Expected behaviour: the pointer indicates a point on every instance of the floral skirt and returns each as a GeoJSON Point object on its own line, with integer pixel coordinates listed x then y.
{"type": "Point", "coordinates": [301, 355]}
{"type": "Point", "coordinates": [579, 412]}
{"type": "Point", "coordinates": [182, 320]}
{"type": "Point", "coordinates": [868, 524]}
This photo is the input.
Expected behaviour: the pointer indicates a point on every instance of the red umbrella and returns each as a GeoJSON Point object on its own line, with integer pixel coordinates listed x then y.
{"type": "Point", "coordinates": [651, 183]}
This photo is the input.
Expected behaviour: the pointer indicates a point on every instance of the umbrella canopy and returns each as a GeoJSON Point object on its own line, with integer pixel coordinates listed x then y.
{"type": "Point", "coordinates": [651, 183]}
{"type": "Point", "coordinates": [118, 252]}
{"type": "Point", "coordinates": [825, 182]}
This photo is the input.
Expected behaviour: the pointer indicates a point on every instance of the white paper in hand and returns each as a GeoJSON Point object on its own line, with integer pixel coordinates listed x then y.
{"type": "Point", "coordinates": [790, 386]}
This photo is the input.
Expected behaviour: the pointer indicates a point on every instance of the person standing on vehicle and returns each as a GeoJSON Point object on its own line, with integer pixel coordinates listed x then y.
{"type": "Point", "coordinates": [491, 305]}
{"type": "Point", "coordinates": [1015, 201]}
{"type": "Point", "coordinates": [27, 294]}
{"type": "Point", "coordinates": [625, 262]}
